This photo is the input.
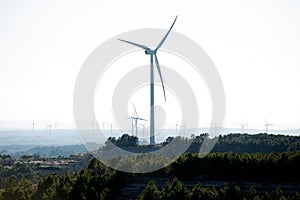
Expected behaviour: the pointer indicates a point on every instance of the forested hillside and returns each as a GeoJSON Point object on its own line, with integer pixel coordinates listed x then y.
{"type": "Point", "coordinates": [97, 181]}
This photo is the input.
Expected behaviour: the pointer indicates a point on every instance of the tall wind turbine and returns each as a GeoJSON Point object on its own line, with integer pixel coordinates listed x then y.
{"type": "Point", "coordinates": [152, 54]}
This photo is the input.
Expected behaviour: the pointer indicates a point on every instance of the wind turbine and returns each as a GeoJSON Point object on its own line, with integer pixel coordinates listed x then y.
{"type": "Point", "coordinates": [33, 125]}
{"type": "Point", "coordinates": [243, 125]}
{"type": "Point", "coordinates": [55, 125]}
{"type": "Point", "coordinates": [267, 126]}
{"type": "Point", "coordinates": [177, 127]}
{"type": "Point", "coordinates": [49, 127]}
{"type": "Point", "coordinates": [152, 54]}
{"type": "Point", "coordinates": [92, 126]}
{"type": "Point", "coordinates": [143, 125]}
{"type": "Point", "coordinates": [111, 126]}
{"type": "Point", "coordinates": [184, 127]}
{"type": "Point", "coordinates": [135, 118]}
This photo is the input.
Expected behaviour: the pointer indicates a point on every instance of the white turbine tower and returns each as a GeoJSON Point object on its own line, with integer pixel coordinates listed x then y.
{"type": "Point", "coordinates": [152, 54]}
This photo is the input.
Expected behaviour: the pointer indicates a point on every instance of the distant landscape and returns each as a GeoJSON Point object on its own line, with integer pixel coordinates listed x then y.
{"type": "Point", "coordinates": [240, 166]}
{"type": "Point", "coordinates": [64, 142]}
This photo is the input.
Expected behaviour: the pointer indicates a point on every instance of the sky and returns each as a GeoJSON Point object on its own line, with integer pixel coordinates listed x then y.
{"type": "Point", "coordinates": [255, 46]}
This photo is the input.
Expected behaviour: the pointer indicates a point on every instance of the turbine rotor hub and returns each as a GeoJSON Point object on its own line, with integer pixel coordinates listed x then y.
{"type": "Point", "coordinates": [150, 52]}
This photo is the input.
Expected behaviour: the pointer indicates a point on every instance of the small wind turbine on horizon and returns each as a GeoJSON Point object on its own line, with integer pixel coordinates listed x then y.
{"type": "Point", "coordinates": [152, 54]}
{"type": "Point", "coordinates": [267, 126]}
{"type": "Point", "coordinates": [111, 128]}
{"type": "Point", "coordinates": [243, 125]}
{"type": "Point", "coordinates": [33, 125]}
{"type": "Point", "coordinates": [135, 119]}
{"type": "Point", "coordinates": [48, 127]}
{"type": "Point", "coordinates": [55, 126]}
{"type": "Point", "coordinates": [92, 126]}
{"type": "Point", "coordinates": [184, 127]}
{"type": "Point", "coordinates": [143, 125]}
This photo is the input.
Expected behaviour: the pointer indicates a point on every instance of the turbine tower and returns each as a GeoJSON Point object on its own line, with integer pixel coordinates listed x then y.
{"type": "Point", "coordinates": [152, 54]}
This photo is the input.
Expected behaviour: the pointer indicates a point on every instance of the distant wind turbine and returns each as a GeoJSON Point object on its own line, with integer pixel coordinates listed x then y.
{"type": "Point", "coordinates": [135, 119]}
{"type": "Point", "coordinates": [33, 125]}
{"type": "Point", "coordinates": [49, 127]}
{"type": "Point", "coordinates": [177, 127]}
{"type": "Point", "coordinates": [267, 126]}
{"type": "Point", "coordinates": [243, 125]}
{"type": "Point", "coordinates": [111, 126]}
{"type": "Point", "coordinates": [152, 54]}
{"type": "Point", "coordinates": [143, 125]}
{"type": "Point", "coordinates": [92, 126]}
{"type": "Point", "coordinates": [184, 127]}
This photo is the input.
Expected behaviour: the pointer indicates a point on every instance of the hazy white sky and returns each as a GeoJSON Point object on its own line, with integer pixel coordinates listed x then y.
{"type": "Point", "coordinates": [254, 44]}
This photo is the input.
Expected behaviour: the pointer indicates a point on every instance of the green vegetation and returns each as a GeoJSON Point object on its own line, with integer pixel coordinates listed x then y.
{"type": "Point", "coordinates": [97, 181]}
{"type": "Point", "coordinates": [264, 143]}
{"type": "Point", "coordinates": [177, 190]}
{"type": "Point", "coordinates": [246, 143]}
{"type": "Point", "coordinates": [124, 141]}
{"type": "Point", "coordinates": [20, 181]}
{"type": "Point", "coordinates": [237, 167]}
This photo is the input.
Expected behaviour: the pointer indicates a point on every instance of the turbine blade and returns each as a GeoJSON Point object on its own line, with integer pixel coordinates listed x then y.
{"type": "Point", "coordinates": [135, 113]}
{"type": "Point", "coordinates": [159, 72]}
{"type": "Point", "coordinates": [135, 44]}
{"type": "Point", "coordinates": [164, 38]}
{"type": "Point", "coordinates": [142, 119]}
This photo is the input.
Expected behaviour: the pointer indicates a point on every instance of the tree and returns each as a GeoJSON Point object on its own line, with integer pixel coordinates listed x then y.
{"type": "Point", "coordinates": [175, 190]}
{"type": "Point", "coordinates": [204, 193]}
{"type": "Point", "coordinates": [150, 192]}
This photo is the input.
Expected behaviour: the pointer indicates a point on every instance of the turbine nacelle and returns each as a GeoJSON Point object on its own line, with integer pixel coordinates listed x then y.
{"type": "Point", "coordinates": [150, 52]}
